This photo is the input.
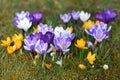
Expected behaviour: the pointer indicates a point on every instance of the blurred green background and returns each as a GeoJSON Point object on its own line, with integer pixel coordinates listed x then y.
{"type": "Point", "coordinates": [20, 67]}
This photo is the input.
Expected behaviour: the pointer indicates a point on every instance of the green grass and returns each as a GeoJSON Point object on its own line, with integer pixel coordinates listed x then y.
{"type": "Point", "coordinates": [20, 66]}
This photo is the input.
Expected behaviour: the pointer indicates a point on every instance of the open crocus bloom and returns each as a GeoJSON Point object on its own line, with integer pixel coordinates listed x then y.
{"type": "Point", "coordinates": [18, 40]}
{"type": "Point", "coordinates": [65, 17]}
{"type": "Point", "coordinates": [91, 57]}
{"type": "Point", "coordinates": [99, 31]}
{"type": "Point", "coordinates": [22, 20]}
{"type": "Point", "coordinates": [30, 42]}
{"type": "Point", "coordinates": [81, 44]}
{"type": "Point", "coordinates": [88, 24]}
{"type": "Point", "coordinates": [43, 28]}
{"type": "Point", "coordinates": [62, 44]}
{"type": "Point", "coordinates": [41, 47]}
{"type": "Point", "coordinates": [84, 16]}
{"type": "Point", "coordinates": [60, 32]}
{"type": "Point", "coordinates": [6, 42]}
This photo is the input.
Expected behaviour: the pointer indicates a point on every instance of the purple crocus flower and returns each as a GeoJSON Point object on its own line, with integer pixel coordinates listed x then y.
{"type": "Point", "coordinates": [99, 31]}
{"type": "Point", "coordinates": [41, 47]}
{"type": "Point", "coordinates": [48, 37]}
{"type": "Point", "coordinates": [36, 17]}
{"type": "Point", "coordinates": [65, 17]}
{"type": "Point", "coordinates": [62, 44]}
{"type": "Point", "coordinates": [22, 20]}
{"type": "Point", "coordinates": [60, 32]}
{"type": "Point", "coordinates": [75, 15]}
{"type": "Point", "coordinates": [45, 28]}
{"type": "Point", "coordinates": [106, 16]}
{"type": "Point", "coordinates": [30, 42]}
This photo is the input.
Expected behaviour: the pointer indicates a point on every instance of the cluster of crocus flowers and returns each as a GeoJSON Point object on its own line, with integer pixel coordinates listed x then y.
{"type": "Point", "coordinates": [44, 33]}
{"type": "Point", "coordinates": [25, 20]}
{"type": "Point", "coordinates": [106, 16]}
{"type": "Point", "coordinates": [62, 41]}
{"type": "Point", "coordinates": [76, 15]}
{"type": "Point", "coordinates": [13, 44]}
{"type": "Point", "coordinates": [40, 41]}
{"type": "Point", "coordinates": [45, 39]}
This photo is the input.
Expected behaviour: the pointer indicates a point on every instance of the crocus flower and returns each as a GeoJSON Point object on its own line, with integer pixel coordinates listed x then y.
{"type": "Point", "coordinates": [47, 37]}
{"type": "Point", "coordinates": [65, 17]}
{"type": "Point", "coordinates": [36, 29]}
{"type": "Point", "coordinates": [22, 20]}
{"type": "Point", "coordinates": [81, 44]}
{"type": "Point", "coordinates": [91, 57]}
{"type": "Point", "coordinates": [29, 42]}
{"type": "Point", "coordinates": [90, 44]}
{"type": "Point", "coordinates": [41, 47]}
{"type": "Point", "coordinates": [99, 31]}
{"type": "Point", "coordinates": [84, 16]}
{"type": "Point", "coordinates": [75, 15]}
{"type": "Point", "coordinates": [36, 17]}
{"type": "Point", "coordinates": [13, 44]}
{"type": "Point", "coordinates": [11, 49]}
{"type": "Point", "coordinates": [44, 28]}
{"type": "Point", "coordinates": [6, 42]}
{"type": "Point", "coordinates": [106, 16]}
{"type": "Point", "coordinates": [70, 29]}
{"type": "Point", "coordinates": [62, 44]}
{"type": "Point", "coordinates": [17, 40]}
{"type": "Point", "coordinates": [60, 32]}
{"type": "Point", "coordinates": [88, 24]}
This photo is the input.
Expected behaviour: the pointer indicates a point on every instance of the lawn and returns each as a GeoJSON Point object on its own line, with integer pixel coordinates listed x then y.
{"type": "Point", "coordinates": [19, 65]}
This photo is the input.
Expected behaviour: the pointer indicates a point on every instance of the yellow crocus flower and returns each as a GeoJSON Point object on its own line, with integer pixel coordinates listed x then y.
{"type": "Point", "coordinates": [88, 24]}
{"type": "Point", "coordinates": [36, 29]}
{"type": "Point", "coordinates": [17, 37]}
{"type": "Point", "coordinates": [91, 57]}
{"type": "Point", "coordinates": [18, 44]}
{"type": "Point", "coordinates": [97, 22]}
{"type": "Point", "coordinates": [17, 40]}
{"type": "Point", "coordinates": [70, 29]}
{"type": "Point", "coordinates": [81, 44]}
{"type": "Point", "coordinates": [6, 42]}
{"type": "Point", "coordinates": [11, 49]}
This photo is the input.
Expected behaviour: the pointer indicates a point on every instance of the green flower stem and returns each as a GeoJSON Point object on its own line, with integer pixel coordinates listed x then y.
{"type": "Point", "coordinates": [43, 59]}
{"type": "Point", "coordinates": [24, 33]}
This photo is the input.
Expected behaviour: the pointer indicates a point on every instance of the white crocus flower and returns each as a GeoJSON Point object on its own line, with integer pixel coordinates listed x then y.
{"type": "Point", "coordinates": [84, 16]}
{"type": "Point", "coordinates": [58, 30]}
{"type": "Point", "coordinates": [22, 20]}
{"type": "Point", "coordinates": [24, 24]}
